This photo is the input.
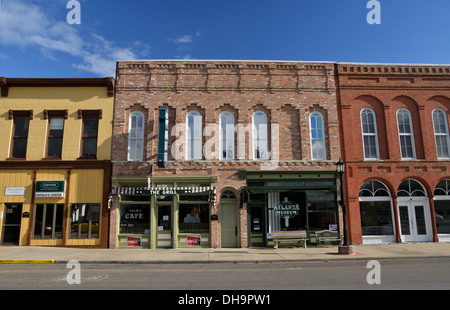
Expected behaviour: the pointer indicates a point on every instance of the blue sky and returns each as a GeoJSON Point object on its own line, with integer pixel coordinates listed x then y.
{"type": "Point", "coordinates": [37, 41]}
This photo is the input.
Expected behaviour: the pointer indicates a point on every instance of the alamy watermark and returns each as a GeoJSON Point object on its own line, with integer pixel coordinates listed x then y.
{"type": "Point", "coordinates": [74, 15]}
{"type": "Point", "coordinates": [374, 16]}
{"type": "Point", "coordinates": [374, 275]}
{"type": "Point", "coordinates": [74, 275]}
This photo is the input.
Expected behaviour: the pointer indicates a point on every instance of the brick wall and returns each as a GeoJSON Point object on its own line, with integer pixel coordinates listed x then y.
{"type": "Point", "coordinates": [385, 89]}
{"type": "Point", "coordinates": [286, 91]}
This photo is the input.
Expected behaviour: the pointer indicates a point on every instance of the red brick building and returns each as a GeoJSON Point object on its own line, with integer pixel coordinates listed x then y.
{"type": "Point", "coordinates": [205, 152]}
{"type": "Point", "coordinates": [395, 142]}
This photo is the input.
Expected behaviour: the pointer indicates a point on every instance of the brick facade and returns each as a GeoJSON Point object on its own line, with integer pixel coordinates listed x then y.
{"type": "Point", "coordinates": [385, 89]}
{"type": "Point", "coordinates": [288, 92]}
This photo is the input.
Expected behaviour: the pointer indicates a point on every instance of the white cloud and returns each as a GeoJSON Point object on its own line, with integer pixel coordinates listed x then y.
{"type": "Point", "coordinates": [184, 39]}
{"type": "Point", "coordinates": [28, 25]}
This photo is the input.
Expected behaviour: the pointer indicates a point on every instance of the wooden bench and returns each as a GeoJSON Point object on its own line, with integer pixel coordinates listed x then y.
{"type": "Point", "coordinates": [327, 235]}
{"type": "Point", "coordinates": [297, 236]}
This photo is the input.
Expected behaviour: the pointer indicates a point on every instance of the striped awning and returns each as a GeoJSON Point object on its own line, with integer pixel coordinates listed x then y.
{"type": "Point", "coordinates": [136, 190]}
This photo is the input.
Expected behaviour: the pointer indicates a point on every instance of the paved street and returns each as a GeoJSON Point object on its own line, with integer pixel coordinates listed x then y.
{"type": "Point", "coordinates": [418, 273]}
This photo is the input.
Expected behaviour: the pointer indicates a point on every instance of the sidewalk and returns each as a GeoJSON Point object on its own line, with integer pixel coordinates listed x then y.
{"type": "Point", "coordinates": [32, 255]}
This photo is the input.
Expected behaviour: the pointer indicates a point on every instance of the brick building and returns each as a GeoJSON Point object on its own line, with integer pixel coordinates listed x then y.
{"type": "Point", "coordinates": [395, 142]}
{"type": "Point", "coordinates": [205, 151]}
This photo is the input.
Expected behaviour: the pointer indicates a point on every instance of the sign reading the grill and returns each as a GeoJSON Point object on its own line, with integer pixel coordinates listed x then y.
{"type": "Point", "coordinates": [49, 189]}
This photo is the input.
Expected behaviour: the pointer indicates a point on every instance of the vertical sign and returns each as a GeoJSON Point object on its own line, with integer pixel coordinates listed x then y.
{"type": "Point", "coordinates": [163, 136]}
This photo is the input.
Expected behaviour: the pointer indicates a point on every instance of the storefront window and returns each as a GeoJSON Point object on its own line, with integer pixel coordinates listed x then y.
{"type": "Point", "coordinates": [375, 209]}
{"type": "Point", "coordinates": [194, 218]}
{"type": "Point", "coordinates": [48, 221]}
{"type": "Point", "coordinates": [376, 218]}
{"type": "Point", "coordinates": [321, 215]}
{"type": "Point", "coordinates": [442, 207]}
{"type": "Point", "coordinates": [134, 218]}
{"type": "Point", "coordinates": [84, 220]}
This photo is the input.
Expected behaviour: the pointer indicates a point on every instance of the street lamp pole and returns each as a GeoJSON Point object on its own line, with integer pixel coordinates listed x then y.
{"type": "Point", "coordinates": [340, 169]}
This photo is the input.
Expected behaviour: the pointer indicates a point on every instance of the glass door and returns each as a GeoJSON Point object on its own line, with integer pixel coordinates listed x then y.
{"type": "Point", "coordinates": [164, 226]}
{"type": "Point", "coordinates": [415, 222]}
{"type": "Point", "coordinates": [11, 225]}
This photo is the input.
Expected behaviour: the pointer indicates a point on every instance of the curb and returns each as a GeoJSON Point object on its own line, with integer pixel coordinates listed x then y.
{"type": "Point", "coordinates": [27, 261]}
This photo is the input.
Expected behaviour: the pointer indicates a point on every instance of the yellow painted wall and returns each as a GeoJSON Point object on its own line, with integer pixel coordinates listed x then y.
{"type": "Point", "coordinates": [86, 186]}
{"type": "Point", "coordinates": [39, 99]}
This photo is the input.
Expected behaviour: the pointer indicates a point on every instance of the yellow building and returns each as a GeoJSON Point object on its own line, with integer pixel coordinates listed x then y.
{"type": "Point", "coordinates": [55, 161]}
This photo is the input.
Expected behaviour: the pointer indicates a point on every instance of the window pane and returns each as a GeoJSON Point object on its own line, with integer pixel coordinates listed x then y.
{"type": "Point", "coordinates": [48, 221]}
{"type": "Point", "coordinates": [59, 221]}
{"type": "Point", "coordinates": [194, 218]}
{"type": "Point", "coordinates": [376, 218]}
{"type": "Point", "coordinates": [39, 211]}
{"type": "Point", "coordinates": [134, 219]}
{"type": "Point", "coordinates": [442, 208]}
{"type": "Point", "coordinates": [54, 147]}
{"type": "Point", "coordinates": [89, 147]}
{"type": "Point", "coordinates": [21, 126]}
{"type": "Point", "coordinates": [90, 126]}
{"type": "Point", "coordinates": [20, 147]}
{"type": "Point", "coordinates": [84, 221]}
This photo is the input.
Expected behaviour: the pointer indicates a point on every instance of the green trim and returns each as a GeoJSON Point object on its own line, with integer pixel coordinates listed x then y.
{"type": "Point", "coordinates": [286, 174]}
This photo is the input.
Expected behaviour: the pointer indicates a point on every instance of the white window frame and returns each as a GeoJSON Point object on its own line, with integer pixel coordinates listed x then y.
{"type": "Point", "coordinates": [226, 135]}
{"type": "Point", "coordinates": [194, 136]}
{"type": "Point", "coordinates": [440, 134]}
{"type": "Point", "coordinates": [135, 153]}
{"type": "Point", "coordinates": [370, 134]}
{"type": "Point", "coordinates": [323, 151]}
{"type": "Point", "coordinates": [260, 136]}
{"type": "Point", "coordinates": [411, 134]}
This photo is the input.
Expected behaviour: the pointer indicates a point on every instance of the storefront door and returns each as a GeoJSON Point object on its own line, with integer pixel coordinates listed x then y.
{"type": "Point", "coordinates": [165, 226]}
{"type": "Point", "coordinates": [257, 226]}
{"type": "Point", "coordinates": [229, 225]}
{"type": "Point", "coordinates": [415, 221]}
{"type": "Point", "coordinates": [11, 225]}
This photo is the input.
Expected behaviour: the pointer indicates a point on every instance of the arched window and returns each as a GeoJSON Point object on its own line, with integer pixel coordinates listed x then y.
{"type": "Point", "coordinates": [226, 135]}
{"type": "Point", "coordinates": [136, 136]}
{"type": "Point", "coordinates": [411, 188]}
{"type": "Point", "coordinates": [317, 136]}
{"type": "Point", "coordinates": [441, 133]}
{"type": "Point", "coordinates": [260, 141]}
{"type": "Point", "coordinates": [369, 134]}
{"type": "Point", "coordinates": [406, 135]}
{"type": "Point", "coordinates": [194, 136]}
{"type": "Point", "coordinates": [376, 212]}
{"type": "Point", "coordinates": [442, 209]}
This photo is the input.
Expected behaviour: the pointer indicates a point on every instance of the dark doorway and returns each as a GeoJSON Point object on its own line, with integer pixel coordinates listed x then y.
{"type": "Point", "coordinates": [11, 225]}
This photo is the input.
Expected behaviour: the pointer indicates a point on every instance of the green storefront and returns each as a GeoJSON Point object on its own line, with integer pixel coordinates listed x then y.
{"type": "Point", "coordinates": [172, 212]}
{"type": "Point", "coordinates": [311, 196]}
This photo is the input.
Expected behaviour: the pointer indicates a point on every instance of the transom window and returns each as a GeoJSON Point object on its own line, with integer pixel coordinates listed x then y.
{"type": "Point", "coordinates": [411, 188]}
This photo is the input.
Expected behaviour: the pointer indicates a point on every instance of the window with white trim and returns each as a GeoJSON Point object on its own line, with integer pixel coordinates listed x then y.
{"type": "Point", "coordinates": [317, 136]}
{"type": "Point", "coordinates": [226, 135]}
{"type": "Point", "coordinates": [193, 136]}
{"type": "Point", "coordinates": [136, 136]}
{"type": "Point", "coordinates": [260, 141]}
{"type": "Point", "coordinates": [369, 134]}
{"type": "Point", "coordinates": [406, 135]}
{"type": "Point", "coordinates": [441, 133]}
